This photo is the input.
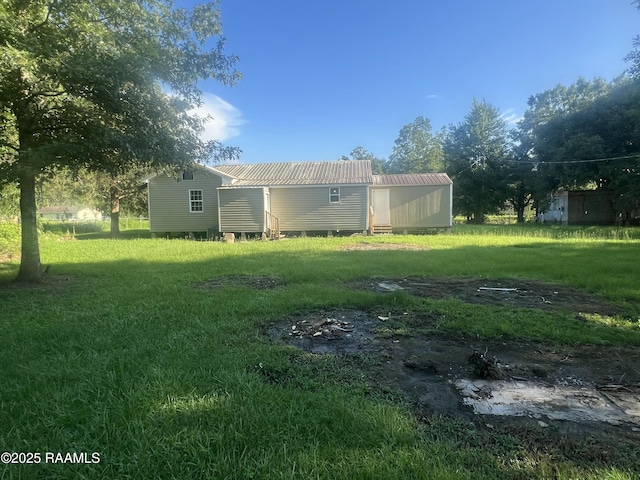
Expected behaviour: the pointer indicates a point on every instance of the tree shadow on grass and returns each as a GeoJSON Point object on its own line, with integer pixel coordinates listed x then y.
{"type": "Point", "coordinates": [123, 235]}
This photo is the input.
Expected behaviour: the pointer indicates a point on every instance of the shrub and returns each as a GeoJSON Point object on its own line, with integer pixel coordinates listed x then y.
{"type": "Point", "coordinates": [9, 239]}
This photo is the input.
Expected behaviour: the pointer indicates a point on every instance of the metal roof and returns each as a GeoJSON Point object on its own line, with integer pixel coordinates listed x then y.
{"type": "Point", "coordinates": [298, 173]}
{"type": "Point", "coordinates": [412, 179]}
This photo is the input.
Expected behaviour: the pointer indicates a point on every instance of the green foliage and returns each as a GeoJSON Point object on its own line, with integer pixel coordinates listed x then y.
{"type": "Point", "coordinates": [83, 84]}
{"type": "Point", "coordinates": [475, 152]}
{"type": "Point", "coordinates": [634, 56]}
{"type": "Point", "coordinates": [378, 165]}
{"type": "Point", "coordinates": [9, 202]}
{"type": "Point", "coordinates": [71, 229]}
{"type": "Point", "coordinates": [9, 239]}
{"type": "Point", "coordinates": [586, 134]}
{"type": "Point", "coordinates": [417, 150]}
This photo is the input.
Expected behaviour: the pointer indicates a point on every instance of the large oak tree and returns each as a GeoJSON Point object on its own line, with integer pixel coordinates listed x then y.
{"type": "Point", "coordinates": [84, 84]}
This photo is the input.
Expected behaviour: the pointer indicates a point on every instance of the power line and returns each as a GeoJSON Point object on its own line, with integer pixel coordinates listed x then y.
{"type": "Point", "coordinates": [560, 162]}
{"type": "Point", "coordinates": [566, 162]}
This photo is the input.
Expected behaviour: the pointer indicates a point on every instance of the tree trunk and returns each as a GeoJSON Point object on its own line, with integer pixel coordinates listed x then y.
{"type": "Point", "coordinates": [521, 202]}
{"type": "Point", "coordinates": [30, 267]}
{"type": "Point", "coordinates": [115, 210]}
{"type": "Point", "coordinates": [519, 205]}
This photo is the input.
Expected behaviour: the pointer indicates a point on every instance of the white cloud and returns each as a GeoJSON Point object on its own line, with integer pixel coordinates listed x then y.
{"type": "Point", "coordinates": [511, 117]}
{"type": "Point", "coordinates": [223, 120]}
{"type": "Point", "coordinates": [433, 97]}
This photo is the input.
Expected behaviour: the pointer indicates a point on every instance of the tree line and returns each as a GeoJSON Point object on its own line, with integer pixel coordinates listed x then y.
{"type": "Point", "coordinates": [582, 136]}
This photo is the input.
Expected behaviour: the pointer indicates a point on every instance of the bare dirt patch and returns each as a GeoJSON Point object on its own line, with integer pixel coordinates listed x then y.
{"type": "Point", "coordinates": [576, 389]}
{"type": "Point", "coordinates": [562, 389]}
{"type": "Point", "coordinates": [514, 293]}
{"type": "Point", "coordinates": [363, 246]}
{"type": "Point", "coordinates": [257, 282]}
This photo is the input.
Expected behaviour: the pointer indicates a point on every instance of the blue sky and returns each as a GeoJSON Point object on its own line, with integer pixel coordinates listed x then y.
{"type": "Point", "coordinates": [322, 77]}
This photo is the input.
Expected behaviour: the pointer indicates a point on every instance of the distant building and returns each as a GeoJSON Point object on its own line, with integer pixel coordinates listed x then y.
{"type": "Point", "coordinates": [69, 213]}
{"type": "Point", "coordinates": [580, 207]}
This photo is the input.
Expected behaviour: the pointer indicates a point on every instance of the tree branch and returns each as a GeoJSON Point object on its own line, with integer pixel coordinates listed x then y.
{"type": "Point", "coordinates": [44, 22]}
{"type": "Point", "coordinates": [43, 94]}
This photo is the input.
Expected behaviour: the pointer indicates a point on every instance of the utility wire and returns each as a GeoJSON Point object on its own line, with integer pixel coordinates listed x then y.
{"type": "Point", "coordinates": [560, 162]}
{"type": "Point", "coordinates": [566, 162]}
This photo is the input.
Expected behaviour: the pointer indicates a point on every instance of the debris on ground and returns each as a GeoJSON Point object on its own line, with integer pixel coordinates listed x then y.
{"type": "Point", "coordinates": [388, 287]}
{"type": "Point", "coordinates": [485, 367]}
{"type": "Point", "coordinates": [497, 289]}
{"type": "Point", "coordinates": [325, 327]}
{"type": "Point", "coordinates": [520, 293]}
{"type": "Point", "coordinates": [577, 388]}
{"type": "Point", "coordinates": [554, 402]}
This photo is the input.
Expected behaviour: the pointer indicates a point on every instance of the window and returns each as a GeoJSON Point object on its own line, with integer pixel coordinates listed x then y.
{"type": "Point", "coordinates": [187, 175]}
{"type": "Point", "coordinates": [196, 203]}
{"type": "Point", "coordinates": [334, 195]}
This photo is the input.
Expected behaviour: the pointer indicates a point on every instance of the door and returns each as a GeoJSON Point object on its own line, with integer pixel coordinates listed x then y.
{"type": "Point", "coordinates": [576, 210]}
{"type": "Point", "coordinates": [380, 204]}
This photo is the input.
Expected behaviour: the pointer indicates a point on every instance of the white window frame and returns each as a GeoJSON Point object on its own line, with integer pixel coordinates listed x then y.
{"type": "Point", "coordinates": [196, 199]}
{"type": "Point", "coordinates": [334, 195]}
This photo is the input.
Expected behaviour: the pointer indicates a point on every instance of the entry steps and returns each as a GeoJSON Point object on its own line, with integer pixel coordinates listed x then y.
{"type": "Point", "coordinates": [382, 230]}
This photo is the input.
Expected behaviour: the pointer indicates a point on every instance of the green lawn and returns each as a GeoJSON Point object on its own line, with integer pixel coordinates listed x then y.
{"type": "Point", "coordinates": [121, 355]}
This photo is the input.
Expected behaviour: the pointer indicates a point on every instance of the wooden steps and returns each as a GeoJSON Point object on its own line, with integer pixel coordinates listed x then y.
{"type": "Point", "coordinates": [273, 226]}
{"type": "Point", "coordinates": [382, 230]}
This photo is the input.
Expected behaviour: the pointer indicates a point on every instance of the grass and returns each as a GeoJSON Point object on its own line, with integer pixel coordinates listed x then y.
{"type": "Point", "coordinates": [9, 239]}
{"type": "Point", "coordinates": [121, 355]}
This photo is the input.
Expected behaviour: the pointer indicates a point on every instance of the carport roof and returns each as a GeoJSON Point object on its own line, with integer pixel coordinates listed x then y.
{"type": "Point", "coordinates": [411, 179]}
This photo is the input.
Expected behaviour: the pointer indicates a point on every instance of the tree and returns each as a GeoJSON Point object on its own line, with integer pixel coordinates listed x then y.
{"type": "Point", "coordinates": [122, 192]}
{"type": "Point", "coordinates": [634, 56]}
{"type": "Point", "coordinates": [475, 155]}
{"type": "Point", "coordinates": [378, 165]}
{"type": "Point", "coordinates": [521, 181]}
{"type": "Point", "coordinates": [549, 132]}
{"type": "Point", "coordinates": [102, 191]}
{"type": "Point", "coordinates": [84, 84]}
{"type": "Point", "coordinates": [594, 142]}
{"type": "Point", "coordinates": [417, 150]}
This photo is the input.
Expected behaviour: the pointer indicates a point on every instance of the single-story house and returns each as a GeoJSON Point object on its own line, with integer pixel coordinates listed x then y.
{"type": "Point", "coordinates": [268, 198]}
{"type": "Point", "coordinates": [580, 207]}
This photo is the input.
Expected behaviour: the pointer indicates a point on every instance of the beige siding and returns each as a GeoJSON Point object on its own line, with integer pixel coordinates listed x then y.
{"type": "Point", "coordinates": [416, 207]}
{"type": "Point", "coordinates": [242, 209]}
{"type": "Point", "coordinates": [309, 209]}
{"type": "Point", "coordinates": [169, 203]}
